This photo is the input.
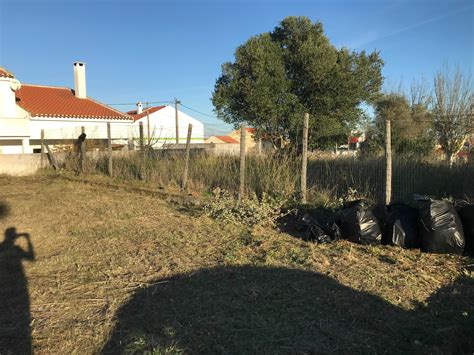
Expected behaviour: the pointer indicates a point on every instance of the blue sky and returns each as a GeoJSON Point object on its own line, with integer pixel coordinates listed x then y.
{"type": "Point", "coordinates": [159, 50]}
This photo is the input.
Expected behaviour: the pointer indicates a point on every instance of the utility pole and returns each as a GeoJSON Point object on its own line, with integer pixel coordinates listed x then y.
{"type": "Point", "coordinates": [176, 107]}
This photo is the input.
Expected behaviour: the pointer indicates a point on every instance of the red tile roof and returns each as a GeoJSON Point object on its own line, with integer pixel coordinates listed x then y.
{"type": "Point", "coordinates": [50, 101]}
{"type": "Point", "coordinates": [149, 110]}
{"type": "Point", "coordinates": [227, 139]}
{"type": "Point", "coordinates": [251, 130]}
{"type": "Point", "coordinates": [5, 73]}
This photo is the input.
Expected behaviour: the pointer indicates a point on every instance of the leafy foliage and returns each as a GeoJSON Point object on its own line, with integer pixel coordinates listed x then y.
{"type": "Point", "coordinates": [251, 211]}
{"type": "Point", "coordinates": [277, 76]}
{"type": "Point", "coordinates": [412, 128]}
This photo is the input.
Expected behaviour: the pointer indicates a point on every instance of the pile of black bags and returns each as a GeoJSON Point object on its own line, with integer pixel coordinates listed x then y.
{"type": "Point", "coordinates": [358, 223]}
{"type": "Point", "coordinates": [321, 230]}
{"type": "Point", "coordinates": [440, 227]}
{"type": "Point", "coordinates": [466, 214]}
{"type": "Point", "coordinates": [402, 226]}
{"type": "Point", "coordinates": [435, 226]}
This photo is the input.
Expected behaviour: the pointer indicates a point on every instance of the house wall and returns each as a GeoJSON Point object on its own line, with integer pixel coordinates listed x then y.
{"type": "Point", "coordinates": [17, 127]}
{"type": "Point", "coordinates": [69, 128]}
{"type": "Point", "coordinates": [249, 138]}
{"type": "Point", "coordinates": [14, 121]}
{"type": "Point", "coordinates": [8, 106]}
{"type": "Point", "coordinates": [30, 129]}
{"type": "Point", "coordinates": [226, 149]}
{"type": "Point", "coordinates": [163, 127]}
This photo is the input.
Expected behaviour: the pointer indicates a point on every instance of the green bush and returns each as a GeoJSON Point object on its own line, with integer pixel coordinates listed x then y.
{"type": "Point", "coordinates": [250, 211]}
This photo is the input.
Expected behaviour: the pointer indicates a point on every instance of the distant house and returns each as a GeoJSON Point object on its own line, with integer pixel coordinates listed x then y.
{"type": "Point", "coordinates": [159, 125]}
{"type": "Point", "coordinates": [221, 140]}
{"type": "Point", "coordinates": [233, 138]}
{"type": "Point", "coordinates": [27, 109]}
{"type": "Point", "coordinates": [250, 139]}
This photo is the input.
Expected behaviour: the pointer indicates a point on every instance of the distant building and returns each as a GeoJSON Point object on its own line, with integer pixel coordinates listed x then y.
{"type": "Point", "coordinates": [27, 109]}
{"type": "Point", "coordinates": [221, 140]}
{"type": "Point", "coordinates": [250, 139]}
{"type": "Point", "coordinates": [252, 143]}
{"type": "Point", "coordinates": [159, 125]}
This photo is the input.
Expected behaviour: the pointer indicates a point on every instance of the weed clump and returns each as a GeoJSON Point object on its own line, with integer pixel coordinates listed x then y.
{"type": "Point", "coordinates": [250, 211]}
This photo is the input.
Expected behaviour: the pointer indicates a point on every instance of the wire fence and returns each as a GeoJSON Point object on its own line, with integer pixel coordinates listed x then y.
{"type": "Point", "coordinates": [135, 152]}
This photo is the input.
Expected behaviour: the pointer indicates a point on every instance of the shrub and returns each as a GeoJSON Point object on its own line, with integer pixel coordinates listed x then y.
{"type": "Point", "coordinates": [250, 211]}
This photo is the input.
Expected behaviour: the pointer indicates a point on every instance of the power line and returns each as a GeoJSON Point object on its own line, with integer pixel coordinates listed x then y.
{"type": "Point", "coordinates": [202, 113]}
{"type": "Point", "coordinates": [144, 102]}
{"type": "Point", "coordinates": [207, 125]}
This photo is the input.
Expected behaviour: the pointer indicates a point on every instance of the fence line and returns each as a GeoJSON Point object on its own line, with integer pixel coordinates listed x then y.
{"type": "Point", "coordinates": [381, 177]}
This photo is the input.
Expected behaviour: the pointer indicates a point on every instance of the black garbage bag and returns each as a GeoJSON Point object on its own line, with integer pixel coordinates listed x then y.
{"type": "Point", "coordinates": [440, 227]}
{"type": "Point", "coordinates": [358, 223]}
{"type": "Point", "coordinates": [402, 226]}
{"type": "Point", "coordinates": [466, 213]}
{"type": "Point", "coordinates": [319, 230]}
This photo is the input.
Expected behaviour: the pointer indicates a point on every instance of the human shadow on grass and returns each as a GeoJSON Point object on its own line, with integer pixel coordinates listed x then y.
{"type": "Point", "coordinates": [277, 310]}
{"type": "Point", "coordinates": [15, 334]}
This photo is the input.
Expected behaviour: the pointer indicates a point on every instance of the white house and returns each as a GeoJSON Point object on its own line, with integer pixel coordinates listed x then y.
{"type": "Point", "coordinates": [61, 112]}
{"type": "Point", "coordinates": [159, 125]}
{"type": "Point", "coordinates": [27, 109]}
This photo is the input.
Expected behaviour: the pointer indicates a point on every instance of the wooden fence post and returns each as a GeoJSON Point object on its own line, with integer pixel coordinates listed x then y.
{"type": "Point", "coordinates": [304, 158]}
{"type": "Point", "coordinates": [259, 145]}
{"type": "Point", "coordinates": [142, 152]}
{"type": "Point", "coordinates": [142, 144]}
{"type": "Point", "coordinates": [42, 148]}
{"type": "Point", "coordinates": [186, 161]}
{"type": "Point", "coordinates": [51, 157]}
{"type": "Point", "coordinates": [388, 162]}
{"type": "Point", "coordinates": [242, 161]}
{"type": "Point", "coordinates": [82, 153]}
{"type": "Point", "coordinates": [109, 148]}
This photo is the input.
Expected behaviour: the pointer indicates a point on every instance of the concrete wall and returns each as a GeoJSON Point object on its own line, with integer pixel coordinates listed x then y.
{"type": "Point", "coordinates": [227, 149]}
{"type": "Point", "coordinates": [211, 148]}
{"type": "Point", "coordinates": [27, 164]}
{"type": "Point", "coordinates": [19, 164]}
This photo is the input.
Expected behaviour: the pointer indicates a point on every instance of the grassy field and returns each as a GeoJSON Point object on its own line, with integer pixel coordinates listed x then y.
{"type": "Point", "coordinates": [118, 271]}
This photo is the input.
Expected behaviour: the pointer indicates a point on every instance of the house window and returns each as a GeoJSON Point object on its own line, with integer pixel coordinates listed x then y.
{"type": "Point", "coordinates": [37, 150]}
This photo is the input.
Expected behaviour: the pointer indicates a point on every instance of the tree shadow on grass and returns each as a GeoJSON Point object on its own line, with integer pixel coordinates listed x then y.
{"type": "Point", "coordinates": [276, 310]}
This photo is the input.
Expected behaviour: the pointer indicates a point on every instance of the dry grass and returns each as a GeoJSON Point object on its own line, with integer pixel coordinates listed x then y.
{"type": "Point", "coordinates": [121, 271]}
{"type": "Point", "coordinates": [279, 175]}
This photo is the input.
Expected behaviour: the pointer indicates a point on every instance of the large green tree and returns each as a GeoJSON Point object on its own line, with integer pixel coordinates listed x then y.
{"type": "Point", "coordinates": [279, 75]}
{"type": "Point", "coordinates": [411, 124]}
